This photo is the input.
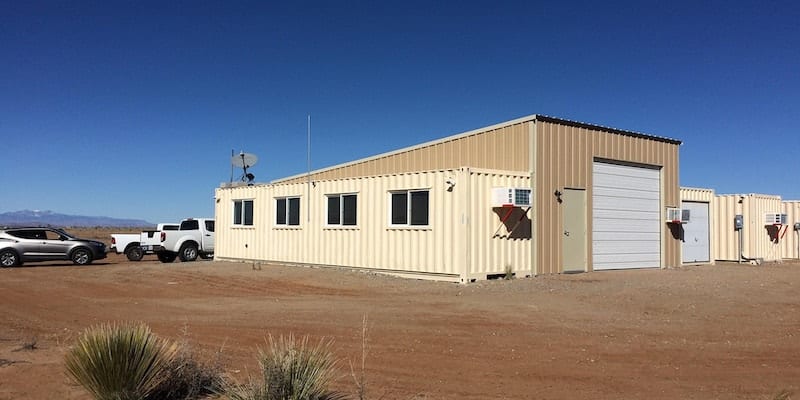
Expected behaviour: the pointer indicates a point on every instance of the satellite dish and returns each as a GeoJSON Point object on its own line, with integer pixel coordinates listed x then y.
{"type": "Point", "coordinates": [244, 161]}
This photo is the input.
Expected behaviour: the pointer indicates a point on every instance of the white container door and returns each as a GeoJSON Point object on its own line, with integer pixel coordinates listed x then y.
{"type": "Point", "coordinates": [696, 244]}
{"type": "Point", "coordinates": [626, 217]}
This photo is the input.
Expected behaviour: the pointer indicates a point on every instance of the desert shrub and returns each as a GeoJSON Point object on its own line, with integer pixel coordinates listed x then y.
{"type": "Point", "coordinates": [186, 377]}
{"type": "Point", "coordinates": [119, 361]}
{"type": "Point", "coordinates": [291, 370]}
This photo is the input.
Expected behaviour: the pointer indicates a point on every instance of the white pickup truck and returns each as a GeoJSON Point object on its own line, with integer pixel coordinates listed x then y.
{"type": "Point", "coordinates": [194, 237]}
{"type": "Point", "coordinates": [136, 245]}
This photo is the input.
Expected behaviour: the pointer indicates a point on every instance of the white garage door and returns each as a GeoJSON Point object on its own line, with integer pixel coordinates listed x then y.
{"type": "Point", "coordinates": [626, 217]}
{"type": "Point", "coordinates": [696, 243]}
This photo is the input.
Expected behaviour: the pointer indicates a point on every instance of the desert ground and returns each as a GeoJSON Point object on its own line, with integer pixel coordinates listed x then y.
{"type": "Point", "coordinates": [725, 331]}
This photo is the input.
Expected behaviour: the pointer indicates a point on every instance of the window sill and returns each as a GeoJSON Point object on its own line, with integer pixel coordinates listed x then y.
{"type": "Point", "coordinates": [243, 227]}
{"type": "Point", "coordinates": [287, 228]}
{"type": "Point", "coordinates": [341, 228]}
{"type": "Point", "coordinates": [409, 228]}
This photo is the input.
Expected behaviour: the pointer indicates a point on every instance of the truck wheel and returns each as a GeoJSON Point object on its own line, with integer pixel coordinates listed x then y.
{"type": "Point", "coordinates": [81, 256]}
{"type": "Point", "coordinates": [134, 253]}
{"type": "Point", "coordinates": [188, 252]}
{"type": "Point", "coordinates": [165, 257]}
{"type": "Point", "coordinates": [9, 258]}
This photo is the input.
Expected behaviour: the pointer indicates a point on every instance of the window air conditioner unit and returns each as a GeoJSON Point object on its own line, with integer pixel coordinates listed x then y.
{"type": "Point", "coordinates": [511, 197]}
{"type": "Point", "coordinates": [678, 216]}
{"type": "Point", "coordinates": [774, 219]}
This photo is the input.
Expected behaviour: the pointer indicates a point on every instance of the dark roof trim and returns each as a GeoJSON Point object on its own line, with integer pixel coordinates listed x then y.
{"type": "Point", "coordinates": [577, 124]}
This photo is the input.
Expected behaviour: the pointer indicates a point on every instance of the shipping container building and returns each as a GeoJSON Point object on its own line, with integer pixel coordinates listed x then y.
{"type": "Point", "coordinates": [535, 195]}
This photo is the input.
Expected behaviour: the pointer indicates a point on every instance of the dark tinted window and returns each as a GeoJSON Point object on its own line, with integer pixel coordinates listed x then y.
{"type": "Point", "coordinates": [243, 212]}
{"type": "Point", "coordinates": [334, 210]}
{"type": "Point", "coordinates": [399, 208]}
{"type": "Point", "coordinates": [419, 208]}
{"type": "Point", "coordinates": [237, 212]}
{"type": "Point", "coordinates": [210, 226]}
{"type": "Point", "coordinates": [190, 225]}
{"type": "Point", "coordinates": [280, 212]}
{"type": "Point", "coordinates": [349, 209]}
{"type": "Point", "coordinates": [294, 211]}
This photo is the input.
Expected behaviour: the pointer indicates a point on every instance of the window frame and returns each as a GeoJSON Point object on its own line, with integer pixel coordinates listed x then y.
{"type": "Point", "coordinates": [409, 209]}
{"type": "Point", "coordinates": [287, 217]}
{"type": "Point", "coordinates": [341, 216]}
{"type": "Point", "coordinates": [243, 213]}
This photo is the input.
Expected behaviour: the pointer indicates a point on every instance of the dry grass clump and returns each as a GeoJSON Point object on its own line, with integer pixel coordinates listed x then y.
{"type": "Point", "coordinates": [186, 377]}
{"type": "Point", "coordinates": [290, 370]}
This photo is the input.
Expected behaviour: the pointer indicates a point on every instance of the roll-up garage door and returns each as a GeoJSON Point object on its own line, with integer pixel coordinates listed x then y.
{"type": "Point", "coordinates": [696, 244]}
{"type": "Point", "coordinates": [626, 217]}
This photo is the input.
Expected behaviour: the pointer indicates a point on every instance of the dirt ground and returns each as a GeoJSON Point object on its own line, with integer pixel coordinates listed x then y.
{"type": "Point", "coordinates": [700, 332]}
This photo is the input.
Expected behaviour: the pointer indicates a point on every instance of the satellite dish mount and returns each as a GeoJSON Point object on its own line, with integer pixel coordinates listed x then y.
{"type": "Point", "coordinates": [244, 161]}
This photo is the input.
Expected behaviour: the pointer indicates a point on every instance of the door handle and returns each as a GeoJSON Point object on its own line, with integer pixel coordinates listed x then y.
{"type": "Point", "coordinates": [566, 233]}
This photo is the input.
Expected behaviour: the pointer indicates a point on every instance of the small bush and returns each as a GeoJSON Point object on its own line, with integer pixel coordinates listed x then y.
{"type": "Point", "coordinates": [291, 370]}
{"type": "Point", "coordinates": [119, 362]}
{"type": "Point", "coordinates": [187, 378]}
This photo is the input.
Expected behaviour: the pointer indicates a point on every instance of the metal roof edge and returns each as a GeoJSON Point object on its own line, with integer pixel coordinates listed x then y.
{"type": "Point", "coordinates": [578, 124]}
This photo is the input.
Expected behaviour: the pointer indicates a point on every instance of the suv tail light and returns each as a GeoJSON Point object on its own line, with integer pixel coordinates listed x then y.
{"type": "Point", "coordinates": [113, 240]}
{"type": "Point", "coordinates": [163, 236]}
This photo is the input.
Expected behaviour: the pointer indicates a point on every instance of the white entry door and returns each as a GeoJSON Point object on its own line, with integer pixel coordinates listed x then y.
{"type": "Point", "coordinates": [696, 244]}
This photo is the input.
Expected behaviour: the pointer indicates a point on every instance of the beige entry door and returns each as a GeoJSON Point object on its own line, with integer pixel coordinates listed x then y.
{"type": "Point", "coordinates": [574, 235]}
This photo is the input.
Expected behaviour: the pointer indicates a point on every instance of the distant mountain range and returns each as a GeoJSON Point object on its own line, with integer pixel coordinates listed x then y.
{"type": "Point", "coordinates": [49, 218]}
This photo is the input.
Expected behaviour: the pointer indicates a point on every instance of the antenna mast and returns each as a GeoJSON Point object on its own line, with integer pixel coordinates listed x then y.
{"type": "Point", "coordinates": [308, 175]}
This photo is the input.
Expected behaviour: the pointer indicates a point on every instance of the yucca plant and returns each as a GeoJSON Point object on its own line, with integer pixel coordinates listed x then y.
{"type": "Point", "coordinates": [119, 361]}
{"type": "Point", "coordinates": [291, 370]}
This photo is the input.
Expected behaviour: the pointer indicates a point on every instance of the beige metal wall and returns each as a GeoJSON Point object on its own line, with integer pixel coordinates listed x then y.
{"type": "Point", "coordinates": [789, 245]}
{"type": "Point", "coordinates": [564, 156]}
{"type": "Point", "coordinates": [699, 195]}
{"type": "Point", "coordinates": [457, 245]}
{"type": "Point", "coordinates": [499, 147]}
{"type": "Point", "coordinates": [756, 242]}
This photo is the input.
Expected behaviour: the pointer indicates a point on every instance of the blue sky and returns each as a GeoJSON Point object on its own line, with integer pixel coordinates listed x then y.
{"type": "Point", "coordinates": [131, 109]}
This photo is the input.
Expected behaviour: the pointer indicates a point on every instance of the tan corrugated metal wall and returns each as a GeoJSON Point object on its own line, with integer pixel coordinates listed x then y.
{"type": "Point", "coordinates": [447, 249]}
{"type": "Point", "coordinates": [564, 158]}
{"type": "Point", "coordinates": [789, 247]}
{"type": "Point", "coordinates": [752, 207]}
{"type": "Point", "coordinates": [500, 148]}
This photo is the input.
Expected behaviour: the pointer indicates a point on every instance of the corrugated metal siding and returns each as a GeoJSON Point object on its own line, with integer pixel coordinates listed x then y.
{"type": "Point", "coordinates": [564, 157]}
{"type": "Point", "coordinates": [791, 240]}
{"type": "Point", "coordinates": [503, 148]}
{"type": "Point", "coordinates": [447, 249]}
{"type": "Point", "coordinates": [752, 207]}
{"type": "Point", "coordinates": [489, 254]}
{"type": "Point", "coordinates": [700, 195]}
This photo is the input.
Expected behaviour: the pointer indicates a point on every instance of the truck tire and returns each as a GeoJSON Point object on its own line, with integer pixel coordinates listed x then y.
{"type": "Point", "coordinates": [134, 253]}
{"type": "Point", "coordinates": [166, 257]}
{"type": "Point", "coordinates": [188, 252]}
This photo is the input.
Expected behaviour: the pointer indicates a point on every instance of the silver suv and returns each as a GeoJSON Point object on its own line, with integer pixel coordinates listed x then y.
{"type": "Point", "coordinates": [20, 245]}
